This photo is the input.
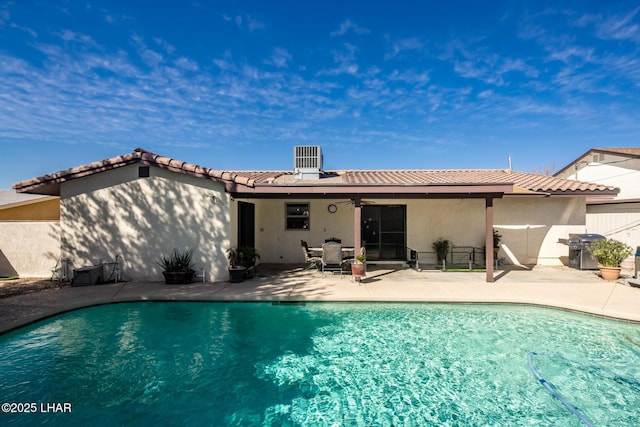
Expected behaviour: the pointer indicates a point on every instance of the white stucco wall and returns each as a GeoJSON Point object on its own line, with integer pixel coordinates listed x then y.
{"type": "Point", "coordinates": [141, 219]}
{"type": "Point", "coordinates": [461, 221]}
{"type": "Point", "coordinates": [618, 171]}
{"type": "Point", "coordinates": [616, 221]}
{"type": "Point", "coordinates": [29, 248]}
{"type": "Point", "coordinates": [531, 228]}
{"type": "Point", "coordinates": [279, 245]}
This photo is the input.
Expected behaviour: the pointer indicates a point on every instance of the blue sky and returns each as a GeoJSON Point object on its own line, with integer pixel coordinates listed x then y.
{"type": "Point", "coordinates": [379, 85]}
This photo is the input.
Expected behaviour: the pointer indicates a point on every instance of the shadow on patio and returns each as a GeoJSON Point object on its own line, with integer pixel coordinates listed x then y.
{"type": "Point", "coordinates": [287, 275]}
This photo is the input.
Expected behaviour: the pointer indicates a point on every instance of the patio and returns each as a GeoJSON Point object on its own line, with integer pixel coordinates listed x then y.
{"type": "Point", "coordinates": [558, 287]}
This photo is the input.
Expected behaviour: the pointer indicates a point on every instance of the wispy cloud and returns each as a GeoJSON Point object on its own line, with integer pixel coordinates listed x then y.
{"type": "Point", "coordinates": [573, 55]}
{"type": "Point", "coordinates": [245, 22]}
{"type": "Point", "coordinates": [345, 58]}
{"type": "Point", "coordinates": [474, 62]}
{"type": "Point", "coordinates": [254, 24]}
{"type": "Point", "coordinates": [77, 38]}
{"type": "Point", "coordinates": [280, 58]}
{"type": "Point", "coordinates": [577, 62]}
{"type": "Point", "coordinates": [620, 27]}
{"type": "Point", "coordinates": [399, 91]}
{"type": "Point", "coordinates": [349, 26]}
{"type": "Point", "coordinates": [224, 63]}
{"type": "Point", "coordinates": [402, 45]}
{"type": "Point", "coordinates": [164, 45]}
{"type": "Point", "coordinates": [148, 55]}
{"type": "Point", "coordinates": [187, 64]}
{"type": "Point", "coordinates": [27, 30]}
{"type": "Point", "coordinates": [5, 15]}
{"type": "Point", "coordinates": [410, 76]}
{"type": "Point", "coordinates": [112, 18]}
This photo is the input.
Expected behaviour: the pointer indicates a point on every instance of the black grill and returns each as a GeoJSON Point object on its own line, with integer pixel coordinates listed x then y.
{"type": "Point", "coordinates": [579, 255]}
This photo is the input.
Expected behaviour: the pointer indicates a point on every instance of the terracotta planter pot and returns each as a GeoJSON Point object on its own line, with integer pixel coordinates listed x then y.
{"type": "Point", "coordinates": [609, 273]}
{"type": "Point", "coordinates": [358, 269]}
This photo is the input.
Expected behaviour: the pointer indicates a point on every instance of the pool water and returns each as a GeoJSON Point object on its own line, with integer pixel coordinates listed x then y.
{"type": "Point", "coordinates": [321, 364]}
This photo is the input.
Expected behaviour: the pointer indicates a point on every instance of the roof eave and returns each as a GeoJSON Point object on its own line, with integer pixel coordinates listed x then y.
{"type": "Point", "coordinates": [28, 202]}
{"type": "Point", "coordinates": [604, 194]}
{"type": "Point", "coordinates": [600, 201]}
{"type": "Point", "coordinates": [377, 190]}
{"type": "Point", "coordinates": [50, 184]}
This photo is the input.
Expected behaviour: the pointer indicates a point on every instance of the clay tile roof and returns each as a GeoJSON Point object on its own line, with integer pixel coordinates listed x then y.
{"type": "Point", "coordinates": [528, 181]}
{"type": "Point", "coordinates": [50, 184]}
{"type": "Point", "coordinates": [521, 182]}
{"type": "Point", "coordinates": [261, 176]}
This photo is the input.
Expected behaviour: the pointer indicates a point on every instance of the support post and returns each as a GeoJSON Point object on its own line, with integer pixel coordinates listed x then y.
{"type": "Point", "coordinates": [488, 214]}
{"type": "Point", "coordinates": [357, 224]}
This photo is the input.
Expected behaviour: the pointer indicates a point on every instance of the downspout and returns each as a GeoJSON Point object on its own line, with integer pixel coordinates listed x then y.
{"type": "Point", "coordinates": [488, 238]}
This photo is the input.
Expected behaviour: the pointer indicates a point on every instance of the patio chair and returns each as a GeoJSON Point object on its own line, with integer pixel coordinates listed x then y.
{"type": "Point", "coordinates": [332, 257]}
{"type": "Point", "coordinates": [332, 239]}
{"type": "Point", "coordinates": [309, 259]}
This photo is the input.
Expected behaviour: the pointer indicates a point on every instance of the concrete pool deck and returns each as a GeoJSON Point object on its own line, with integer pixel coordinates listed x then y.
{"type": "Point", "coordinates": [559, 287]}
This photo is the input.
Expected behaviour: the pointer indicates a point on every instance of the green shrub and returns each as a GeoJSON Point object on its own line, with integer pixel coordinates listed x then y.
{"type": "Point", "coordinates": [610, 252]}
{"type": "Point", "coordinates": [441, 247]}
{"type": "Point", "coordinates": [244, 256]}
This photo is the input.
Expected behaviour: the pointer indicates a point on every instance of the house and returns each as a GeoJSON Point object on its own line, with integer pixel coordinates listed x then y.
{"type": "Point", "coordinates": [29, 234]}
{"type": "Point", "coordinates": [141, 205]}
{"type": "Point", "coordinates": [617, 218]}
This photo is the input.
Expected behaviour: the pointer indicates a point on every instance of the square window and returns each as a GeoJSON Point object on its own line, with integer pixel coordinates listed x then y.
{"type": "Point", "coordinates": [297, 216]}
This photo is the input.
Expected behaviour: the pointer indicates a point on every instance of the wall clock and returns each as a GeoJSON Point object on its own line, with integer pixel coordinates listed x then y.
{"type": "Point", "coordinates": [332, 208]}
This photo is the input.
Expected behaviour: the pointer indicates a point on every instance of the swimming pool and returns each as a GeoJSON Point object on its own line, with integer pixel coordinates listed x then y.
{"type": "Point", "coordinates": [320, 364]}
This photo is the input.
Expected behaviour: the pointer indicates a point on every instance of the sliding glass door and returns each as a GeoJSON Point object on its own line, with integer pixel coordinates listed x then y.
{"type": "Point", "coordinates": [384, 232]}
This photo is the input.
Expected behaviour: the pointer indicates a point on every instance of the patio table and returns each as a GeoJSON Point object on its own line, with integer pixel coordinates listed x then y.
{"type": "Point", "coordinates": [347, 252]}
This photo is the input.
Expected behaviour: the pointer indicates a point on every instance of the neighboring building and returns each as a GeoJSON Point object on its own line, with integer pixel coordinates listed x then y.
{"type": "Point", "coordinates": [29, 234]}
{"type": "Point", "coordinates": [618, 218]}
{"type": "Point", "coordinates": [142, 205]}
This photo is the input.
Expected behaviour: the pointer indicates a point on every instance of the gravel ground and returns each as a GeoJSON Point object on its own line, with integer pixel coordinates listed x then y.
{"type": "Point", "coordinates": [9, 288]}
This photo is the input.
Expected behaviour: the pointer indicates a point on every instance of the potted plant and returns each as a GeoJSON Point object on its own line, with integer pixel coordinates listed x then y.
{"type": "Point", "coordinates": [242, 262]}
{"type": "Point", "coordinates": [441, 247]}
{"type": "Point", "coordinates": [496, 243]}
{"type": "Point", "coordinates": [236, 271]}
{"type": "Point", "coordinates": [359, 267]}
{"type": "Point", "coordinates": [609, 253]}
{"type": "Point", "coordinates": [496, 239]}
{"type": "Point", "coordinates": [178, 268]}
{"type": "Point", "coordinates": [248, 258]}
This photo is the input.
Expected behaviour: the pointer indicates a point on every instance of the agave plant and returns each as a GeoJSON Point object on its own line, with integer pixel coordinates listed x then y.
{"type": "Point", "coordinates": [177, 261]}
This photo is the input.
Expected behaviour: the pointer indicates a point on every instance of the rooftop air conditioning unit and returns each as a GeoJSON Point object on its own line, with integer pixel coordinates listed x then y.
{"type": "Point", "coordinates": [307, 162]}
